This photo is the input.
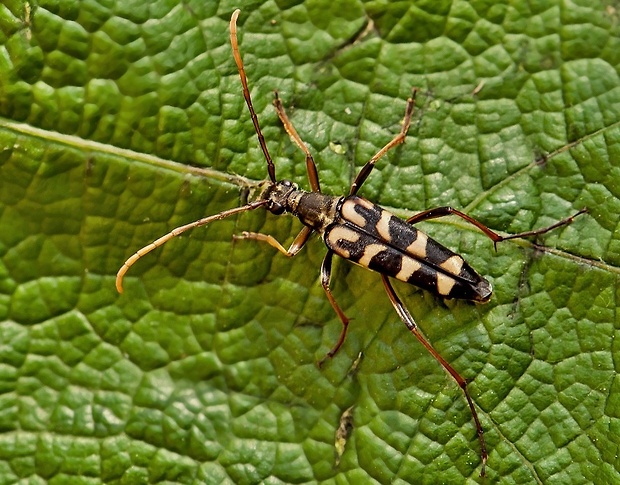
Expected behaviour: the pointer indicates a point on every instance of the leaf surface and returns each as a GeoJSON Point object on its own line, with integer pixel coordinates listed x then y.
{"type": "Point", "coordinates": [122, 120]}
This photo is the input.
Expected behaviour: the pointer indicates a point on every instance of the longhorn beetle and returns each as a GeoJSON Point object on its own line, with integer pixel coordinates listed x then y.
{"type": "Point", "coordinates": [362, 232]}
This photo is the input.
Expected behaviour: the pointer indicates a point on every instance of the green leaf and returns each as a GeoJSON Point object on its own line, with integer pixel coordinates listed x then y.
{"type": "Point", "coordinates": [122, 120]}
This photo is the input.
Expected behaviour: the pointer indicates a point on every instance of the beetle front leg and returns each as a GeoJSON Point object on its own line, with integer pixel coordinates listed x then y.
{"type": "Point", "coordinates": [296, 245]}
{"type": "Point", "coordinates": [326, 272]}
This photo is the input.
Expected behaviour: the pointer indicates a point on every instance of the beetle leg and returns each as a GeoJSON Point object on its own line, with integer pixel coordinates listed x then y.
{"type": "Point", "coordinates": [447, 211]}
{"type": "Point", "coordinates": [313, 175]}
{"type": "Point", "coordinates": [408, 320]}
{"type": "Point", "coordinates": [326, 272]}
{"type": "Point", "coordinates": [296, 245]}
{"type": "Point", "coordinates": [543, 230]}
{"type": "Point", "coordinates": [397, 140]}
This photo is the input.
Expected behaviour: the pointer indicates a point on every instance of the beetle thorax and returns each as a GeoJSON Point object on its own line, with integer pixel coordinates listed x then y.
{"type": "Point", "coordinates": [313, 209]}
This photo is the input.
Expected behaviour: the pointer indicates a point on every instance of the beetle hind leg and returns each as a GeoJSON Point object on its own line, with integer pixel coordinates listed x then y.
{"type": "Point", "coordinates": [408, 320]}
{"type": "Point", "coordinates": [496, 238]}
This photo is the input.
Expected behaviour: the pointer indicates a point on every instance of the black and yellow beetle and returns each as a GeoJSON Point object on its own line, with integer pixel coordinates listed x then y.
{"type": "Point", "coordinates": [362, 232]}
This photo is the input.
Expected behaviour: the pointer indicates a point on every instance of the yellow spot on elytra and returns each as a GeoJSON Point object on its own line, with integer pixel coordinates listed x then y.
{"type": "Point", "coordinates": [341, 233]}
{"type": "Point", "coordinates": [350, 214]}
{"type": "Point", "coordinates": [370, 252]}
{"type": "Point", "coordinates": [365, 203]}
{"type": "Point", "coordinates": [444, 284]}
{"type": "Point", "coordinates": [383, 226]}
{"type": "Point", "coordinates": [418, 247]}
{"type": "Point", "coordinates": [408, 267]}
{"type": "Point", "coordinates": [453, 265]}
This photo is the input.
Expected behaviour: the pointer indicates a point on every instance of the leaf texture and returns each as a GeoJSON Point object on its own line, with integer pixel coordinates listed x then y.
{"type": "Point", "coordinates": [122, 120]}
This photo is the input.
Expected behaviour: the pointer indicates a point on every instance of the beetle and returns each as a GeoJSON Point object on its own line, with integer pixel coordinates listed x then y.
{"type": "Point", "coordinates": [362, 232]}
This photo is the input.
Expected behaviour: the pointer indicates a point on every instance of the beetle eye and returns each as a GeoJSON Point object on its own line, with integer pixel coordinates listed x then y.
{"type": "Point", "coordinates": [276, 208]}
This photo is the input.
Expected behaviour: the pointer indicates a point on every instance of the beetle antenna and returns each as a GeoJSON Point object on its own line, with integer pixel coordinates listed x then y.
{"type": "Point", "coordinates": [179, 230]}
{"type": "Point", "coordinates": [271, 168]}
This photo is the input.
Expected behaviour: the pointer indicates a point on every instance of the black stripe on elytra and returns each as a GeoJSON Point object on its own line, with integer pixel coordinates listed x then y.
{"type": "Point", "coordinates": [401, 233]}
{"type": "Point", "coordinates": [371, 215]}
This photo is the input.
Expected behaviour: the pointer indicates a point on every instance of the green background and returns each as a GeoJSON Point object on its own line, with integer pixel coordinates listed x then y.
{"type": "Point", "coordinates": [120, 120]}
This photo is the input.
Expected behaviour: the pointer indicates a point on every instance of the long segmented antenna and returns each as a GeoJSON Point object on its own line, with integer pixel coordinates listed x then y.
{"type": "Point", "coordinates": [202, 222]}
{"type": "Point", "coordinates": [179, 230]}
{"type": "Point", "coordinates": [271, 168]}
